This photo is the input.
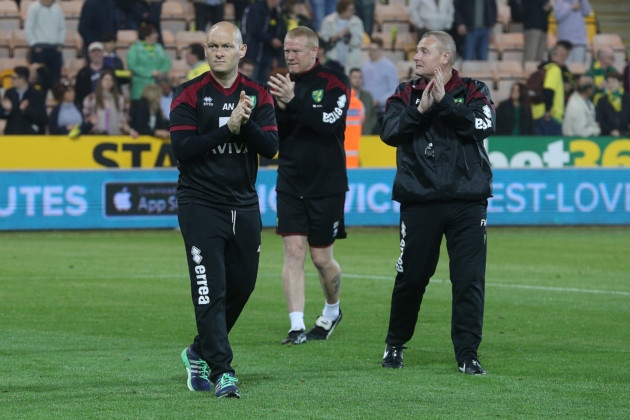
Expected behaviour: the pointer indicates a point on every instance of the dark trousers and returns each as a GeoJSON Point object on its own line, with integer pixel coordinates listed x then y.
{"type": "Point", "coordinates": [205, 13]}
{"type": "Point", "coordinates": [222, 250]}
{"type": "Point", "coordinates": [422, 226]}
{"type": "Point", "coordinates": [50, 56]}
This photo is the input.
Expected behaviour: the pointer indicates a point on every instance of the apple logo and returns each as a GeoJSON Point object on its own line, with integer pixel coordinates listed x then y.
{"type": "Point", "coordinates": [122, 200]}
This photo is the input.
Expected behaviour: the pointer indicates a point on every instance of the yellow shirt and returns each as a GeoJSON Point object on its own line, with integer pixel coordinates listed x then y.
{"type": "Point", "coordinates": [553, 81]}
{"type": "Point", "coordinates": [197, 70]}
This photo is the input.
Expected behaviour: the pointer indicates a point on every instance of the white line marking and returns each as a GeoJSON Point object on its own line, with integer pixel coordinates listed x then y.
{"type": "Point", "coordinates": [181, 275]}
{"type": "Point", "coordinates": [513, 286]}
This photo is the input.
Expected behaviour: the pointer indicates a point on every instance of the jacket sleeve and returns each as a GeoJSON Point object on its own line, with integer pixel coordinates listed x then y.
{"type": "Point", "coordinates": [325, 119]}
{"type": "Point", "coordinates": [53, 122]}
{"type": "Point", "coordinates": [36, 109]}
{"type": "Point", "coordinates": [401, 119]}
{"type": "Point", "coordinates": [139, 116]}
{"type": "Point", "coordinates": [261, 133]}
{"type": "Point", "coordinates": [476, 119]}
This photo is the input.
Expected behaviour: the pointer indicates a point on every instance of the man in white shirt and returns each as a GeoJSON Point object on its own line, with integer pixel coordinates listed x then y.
{"type": "Point", "coordinates": [579, 117]}
{"type": "Point", "coordinates": [45, 32]}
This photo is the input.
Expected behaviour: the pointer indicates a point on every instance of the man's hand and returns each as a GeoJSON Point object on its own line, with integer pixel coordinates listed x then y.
{"type": "Point", "coordinates": [7, 105]}
{"type": "Point", "coordinates": [427, 98]}
{"type": "Point", "coordinates": [282, 89]}
{"type": "Point", "coordinates": [438, 88]}
{"type": "Point", "coordinates": [241, 113]}
{"type": "Point", "coordinates": [24, 105]}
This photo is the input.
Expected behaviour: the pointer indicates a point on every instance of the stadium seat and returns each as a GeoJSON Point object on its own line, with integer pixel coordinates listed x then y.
{"type": "Point", "coordinates": [173, 17]}
{"type": "Point", "coordinates": [406, 70]}
{"type": "Point", "coordinates": [529, 67]}
{"type": "Point", "coordinates": [8, 63]}
{"type": "Point", "coordinates": [72, 47]}
{"type": "Point", "coordinates": [169, 43]}
{"type": "Point", "coordinates": [576, 68]}
{"type": "Point", "coordinates": [72, 11]}
{"type": "Point", "coordinates": [5, 50]}
{"type": "Point", "coordinates": [507, 73]}
{"type": "Point", "coordinates": [481, 70]}
{"type": "Point", "coordinates": [510, 45]}
{"type": "Point", "coordinates": [24, 5]}
{"type": "Point", "coordinates": [72, 66]}
{"type": "Point", "coordinates": [17, 43]}
{"type": "Point", "coordinates": [179, 69]}
{"type": "Point", "coordinates": [390, 13]}
{"type": "Point", "coordinates": [184, 38]}
{"type": "Point", "coordinates": [9, 15]}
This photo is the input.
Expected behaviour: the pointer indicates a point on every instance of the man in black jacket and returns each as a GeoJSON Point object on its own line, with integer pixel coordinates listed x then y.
{"type": "Point", "coordinates": [312, 103]}
{"type": "Point", "coordinates": [220, 122]}
{"type": "Point", "coordinates": [23, 106]}
{"type": "Point", "coordinates": [265, 30]}
{"type": "Point", "coordinates": [438, 124]}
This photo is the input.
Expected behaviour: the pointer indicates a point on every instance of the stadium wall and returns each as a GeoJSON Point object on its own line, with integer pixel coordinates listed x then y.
{"type": "Point", "coordinates": [49, 183]}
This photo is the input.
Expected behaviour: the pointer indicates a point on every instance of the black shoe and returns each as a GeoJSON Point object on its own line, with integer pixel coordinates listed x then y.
{"type": "Point", "coordinates": [323, 328]}
{"type": "Point", "coordinates": [393, 357]}
{"type": "Point", "coordinates": [471, 367]}
{"type": "Point", "coordinates": [295, 337]}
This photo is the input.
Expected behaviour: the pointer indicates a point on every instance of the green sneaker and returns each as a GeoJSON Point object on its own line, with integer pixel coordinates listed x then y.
{"type": "Point", "coordinates": [225, 386]}
{"type": "Point", "coordinates": [198, 371]}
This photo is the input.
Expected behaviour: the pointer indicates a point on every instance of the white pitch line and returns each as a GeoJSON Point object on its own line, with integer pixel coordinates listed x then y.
{"type": "Point", "coordinates": [352, 276]}
{"type": "Point", "coordinates": [513, 286]}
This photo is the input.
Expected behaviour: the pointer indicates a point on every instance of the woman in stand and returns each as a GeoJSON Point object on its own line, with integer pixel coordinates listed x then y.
{"type": "Point", "coordinates": [145, 115]}
{"type": "Point", "coordinates": [65, 117]}
{"type": "Point", "coordinates": [514, 115]}
{"type": "Point", "coordinates": [104, 109]}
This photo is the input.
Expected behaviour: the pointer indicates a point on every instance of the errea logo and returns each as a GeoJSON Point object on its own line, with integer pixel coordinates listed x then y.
{"type": "Point", "coordinates": [207, 101]}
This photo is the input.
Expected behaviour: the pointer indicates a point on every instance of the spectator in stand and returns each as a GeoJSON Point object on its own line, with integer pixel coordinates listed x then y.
{"type": "Point", "coordinates": [431, 15]}
{"type": "Point", "coordinates": [145, 115]}
{"type": "Point", "coordinates": [167, 93]}
{"type": "Point", "coordinates": [356, 83]}
{"type": "Point", "coordinates": [579, 117]}
{"type": "Point", "coordinates": [570, 16]}
{"type": "Point", "coordinates": [343, 32]}
{"type": "Point", "coordinates": [475, 20]}
{"type": "Point", "coordinates": [265, 30]}
{"type": "Point", "coordinates": [45, 32]}
{"type": "Point", "coordinates": [380, 78]}
{"type": "Point", "coordinates": [208, 12]}
{"type": "Point", "coordinates": [65, 117]}
{"type": "Point", "coordinates": [613, 108]}
{"type": "Point", "coordinates": [23, 106]}
{"type": "Point", "coordinates": [146, 59]}
{"type": "Point", "coordinates": [246, 67]}
{"type": "Point", "coordinates": [196, 58]}
{"type": "Point", "coordinates": [514, 115]}
{"type": "Point", "coordinates": [535, 26]}
{"type": "Point", "coordinates": [321, 9]}
{"type": "Point", "coordinates": [88, 76]}
{"type": "Point", "coordinates": [322, 56]}
{"type": "Point", "coordinates": [98, 17]}
{"type": "Point", "coordinates": [549, 114]}
{"type": "Point", "coordinates": [598, 70]}
{"type": "Point", "coordinates": [296, 13]}
{"type": "Point", "coordinates": [104, 109]}
{"type": "Point", "coordinates": [365, 11]}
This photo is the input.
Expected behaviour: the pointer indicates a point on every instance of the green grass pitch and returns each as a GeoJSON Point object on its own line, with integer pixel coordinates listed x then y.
{"type": "Point", "coordinates": [92, 325]}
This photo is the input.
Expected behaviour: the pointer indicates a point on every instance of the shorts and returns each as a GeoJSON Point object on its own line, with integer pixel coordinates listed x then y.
{"type": "Point", "coordinates": [320, 219]}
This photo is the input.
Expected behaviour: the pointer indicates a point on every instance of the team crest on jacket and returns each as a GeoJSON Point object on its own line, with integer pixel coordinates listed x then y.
{"type": "Point", "coordinates": [459, 101]}
{"type": "Point", "coordinates": [253, 98]}
{"type": "Point", "coordinates": [317, 95]}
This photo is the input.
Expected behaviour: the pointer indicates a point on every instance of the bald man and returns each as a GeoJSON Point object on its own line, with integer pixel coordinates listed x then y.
{"type": "Point", "coordinates": [221, 121]}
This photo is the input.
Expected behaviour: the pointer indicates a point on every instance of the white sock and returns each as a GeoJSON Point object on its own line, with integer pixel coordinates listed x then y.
{"type": "Point", "coordinates": [297, 321]}
{"type": "Point", "coordinates": [331, 311]}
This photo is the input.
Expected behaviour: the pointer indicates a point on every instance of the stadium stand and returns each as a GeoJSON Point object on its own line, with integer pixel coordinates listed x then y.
{"type": "Point", "coordinates": [9, 15]}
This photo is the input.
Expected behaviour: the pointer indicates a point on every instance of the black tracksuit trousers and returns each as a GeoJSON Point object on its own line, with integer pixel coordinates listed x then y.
{"type": "Point", "coordinates": [422, 226]}
{"type": "Point", "coordinates": [222, 250]}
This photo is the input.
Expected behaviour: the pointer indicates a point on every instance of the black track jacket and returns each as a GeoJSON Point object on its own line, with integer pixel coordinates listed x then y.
{"type": "Point", "coordinates": [456, 127]}
{"type": "Point", "coordinates": [216, 167]}
{"type": "Point", "coordinates": [312, 159]}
